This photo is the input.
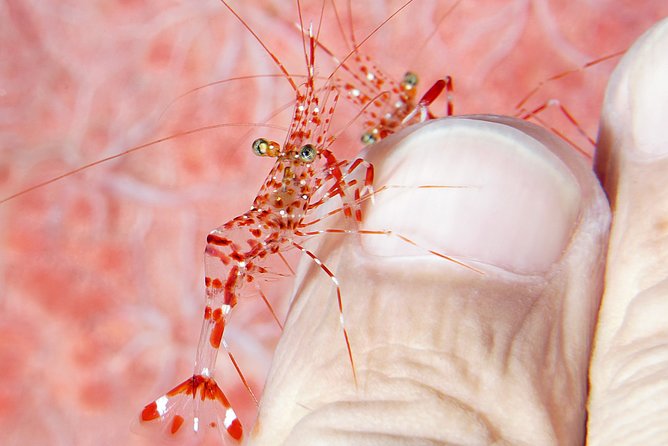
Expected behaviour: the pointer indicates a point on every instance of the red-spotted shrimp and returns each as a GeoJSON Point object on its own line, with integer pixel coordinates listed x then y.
{"type": "Point", "coordinates": [236, 252]}
{"type": "Point", "coordinates": [387, 105]}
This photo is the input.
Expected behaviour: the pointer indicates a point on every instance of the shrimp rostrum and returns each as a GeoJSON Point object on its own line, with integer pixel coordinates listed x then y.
{"type": "Point", "coordinates": [304, 175]}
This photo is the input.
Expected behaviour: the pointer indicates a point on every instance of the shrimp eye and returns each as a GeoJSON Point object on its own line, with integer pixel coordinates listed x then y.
{"type": "Point", "coordinates": [307, 153]}
{"type": "Point", "coordinates": [410, 81]}
{"type": "Point", "coordinates": [368, 138]}
{"type": "Point", "coordinates": [260, 146]}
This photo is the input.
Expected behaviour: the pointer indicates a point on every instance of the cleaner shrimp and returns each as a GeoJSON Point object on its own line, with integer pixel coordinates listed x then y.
{"type": "Point", "coordinates": [101, 272]}
{"type": "Point", "coordinates": [236, 251]}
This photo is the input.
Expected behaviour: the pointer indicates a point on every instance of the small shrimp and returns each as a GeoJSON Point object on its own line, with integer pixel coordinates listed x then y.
{"type": "Point", "coordinates": [400, 109]}
{"type": "Point", "coordinates": [388, 105]}
{"type": "Point", "coordinates": [236, 251]}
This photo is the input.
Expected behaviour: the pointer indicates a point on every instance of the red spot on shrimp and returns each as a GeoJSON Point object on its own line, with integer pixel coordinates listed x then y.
{"type": "Point", "coordinates": [230, 285]}
{"type": "Point", "coordinates": [217, 333]}
{"type": "Point", "coordinates": [186, 387]}
{"type": "Point", "coordinates": [177, 422]}
{"type": "Point", "coordinates": [230, 298]}
{"type": "Point", "coordinates": [217, 240]}
{"type": "Point", "coordinates": [216, 283]}
{"type": "Point", "coordinates": [207, 313]}
{"type": "Point", "coordinates": [235, 429]}
{"type": "Point", "coordinates": [150, 412]}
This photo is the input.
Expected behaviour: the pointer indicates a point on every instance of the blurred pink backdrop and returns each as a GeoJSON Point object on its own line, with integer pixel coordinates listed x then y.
{"type": "Point", "coordinates": [101, 274]}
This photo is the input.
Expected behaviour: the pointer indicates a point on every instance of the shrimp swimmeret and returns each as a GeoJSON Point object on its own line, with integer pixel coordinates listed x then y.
{"type": "Point", "coordinates": [236, 250]}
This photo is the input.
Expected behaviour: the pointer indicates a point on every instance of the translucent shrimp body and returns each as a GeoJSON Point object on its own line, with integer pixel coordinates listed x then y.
{"type": "Point", "coordinates": [387, 105]}
{"type": "Point", "coordinates": [235, 254]}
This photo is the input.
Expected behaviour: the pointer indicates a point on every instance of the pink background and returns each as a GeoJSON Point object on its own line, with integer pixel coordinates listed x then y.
{"type": "Point", "coordinates": [101, 273]}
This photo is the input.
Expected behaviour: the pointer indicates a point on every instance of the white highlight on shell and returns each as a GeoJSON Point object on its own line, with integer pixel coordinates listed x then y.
{"type": "Point", "coordinates": [161, 405]}
{"type": "Point", "coordinates": [230, 416]}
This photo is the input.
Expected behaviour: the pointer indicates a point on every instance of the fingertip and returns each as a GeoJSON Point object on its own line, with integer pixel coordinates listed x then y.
{"type": "Point", "coordinates": [635, 110]}
{"type": "Point", "coordinates": [511, 193]}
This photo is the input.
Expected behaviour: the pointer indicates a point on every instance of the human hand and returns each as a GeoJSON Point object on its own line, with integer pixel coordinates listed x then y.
{"type": "Point", "coordinates": [447, 355]}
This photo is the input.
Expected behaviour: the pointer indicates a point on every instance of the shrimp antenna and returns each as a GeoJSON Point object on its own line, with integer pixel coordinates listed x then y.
{"type": "Point", "coordinates": [341, 29]}
{"type": "Point", "coordinates": [563, 74]}
{"type": "Point", "coordinates": [221, 82]}
{"type": "Point", "coordinates": [363, 41]}
{"type": "Point", "coordinates": [310, 58]}
{"type": "Point", "coordinates": [360, 113]}
{"type": "Point", "coordinates": [420, 50]}
{"type": "Point", "coordinates": [278, 63]}
{"type": "Point", "coordinates": [350, 23]}
{"type": "Point", "coordinates": [135, 149]}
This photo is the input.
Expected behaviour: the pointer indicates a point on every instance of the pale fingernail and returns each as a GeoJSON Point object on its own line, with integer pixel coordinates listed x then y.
{"type": "Point", "coordinates": [480, 191]}
{"type": "Point", "coordinates": [635, 112]}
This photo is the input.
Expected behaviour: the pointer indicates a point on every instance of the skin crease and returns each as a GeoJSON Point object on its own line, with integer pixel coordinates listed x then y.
{"type": "Point", "coordinates": [101, 273]}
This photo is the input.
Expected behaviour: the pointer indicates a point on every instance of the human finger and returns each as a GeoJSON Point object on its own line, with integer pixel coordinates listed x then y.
{"type": "Point", "coordinates": [495, 352]}
{"type": "Point", "coordinates": [629, 371]}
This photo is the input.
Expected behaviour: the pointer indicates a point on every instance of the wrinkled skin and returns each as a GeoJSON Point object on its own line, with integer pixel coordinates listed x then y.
{"type": "Point", "coordinates": [448, 356]}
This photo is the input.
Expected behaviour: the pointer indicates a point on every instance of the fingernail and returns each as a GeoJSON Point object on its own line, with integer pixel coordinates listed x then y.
{"type": "Point", "coordinates": [480, 191]}
{"type": "Point", "coordinates": [635, 111]}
